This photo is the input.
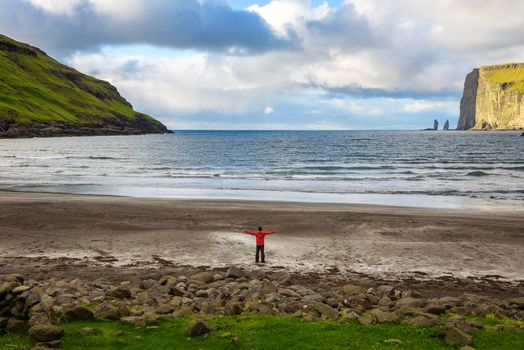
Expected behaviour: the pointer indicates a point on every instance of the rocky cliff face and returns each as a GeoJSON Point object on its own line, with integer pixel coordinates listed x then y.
{"type": "Point", "coordinates": [469, 101]}
{"type": "Point", "coordinates": [493, 98]}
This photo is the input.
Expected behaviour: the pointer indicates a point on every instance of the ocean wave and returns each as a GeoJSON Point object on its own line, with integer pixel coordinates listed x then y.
{"type": "Point", "coordinates": [477, 173]}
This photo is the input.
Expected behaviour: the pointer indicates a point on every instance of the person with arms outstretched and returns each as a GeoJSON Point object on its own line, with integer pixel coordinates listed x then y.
{"type": "Point", "coordinates": [260, 242]}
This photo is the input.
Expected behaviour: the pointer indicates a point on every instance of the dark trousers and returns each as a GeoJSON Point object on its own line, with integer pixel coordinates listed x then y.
{"type": "Point", "coordinates": [260, 249]}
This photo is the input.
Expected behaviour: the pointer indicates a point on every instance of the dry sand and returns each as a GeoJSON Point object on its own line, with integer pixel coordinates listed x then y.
{"type": "Point", "coordinates": [385, 242]}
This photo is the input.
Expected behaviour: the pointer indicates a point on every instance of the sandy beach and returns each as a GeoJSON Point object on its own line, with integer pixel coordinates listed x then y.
{"type": "Point", "coordinates": [383, 242]}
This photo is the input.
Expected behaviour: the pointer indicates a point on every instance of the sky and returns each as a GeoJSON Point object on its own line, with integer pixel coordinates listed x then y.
{"type": "Point", "coordinates": [278, 64]}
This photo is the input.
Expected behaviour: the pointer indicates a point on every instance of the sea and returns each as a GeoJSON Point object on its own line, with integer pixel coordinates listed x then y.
{"type": "Point", "coordinates": [434, 169]}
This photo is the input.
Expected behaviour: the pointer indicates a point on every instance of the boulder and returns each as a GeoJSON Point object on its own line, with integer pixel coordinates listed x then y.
{"type": "Point", "coordinates": [435, 309]}
{"type": "Point", "coordinates": [21, 289]}
{"type": "Point", "coordinates": [233, 308]}
{"type": "Point", "coordinates": [106, 311]}
{"type": "Point", "coordinates": [455, 336]}
{"type": "Point", "coordinates": [517, 301]}
{"type": "Point", "coordinates": [204, 277]}
{"type": "Point", "coordinates": [198, 327]}
{"type": "Point", "coordinates": [266, 289]}
{"type": "Point", "coordinates": [79, 312]}
{"type": "Point", "coordinates": [385, 317]}
{"type": "Point", "coordinates": [55, 344]}
{"type": "Point", "coordinates": [234, 272]}
{"type": "Point", "coordinates": [352, 289]}
{"type": "Point", "coordinates": [324, 310]}
{"type": "Point", "coordinates": [409, 301]}
{"type": "Point", "coordinates": [16, 326]}
{"type": "Point", "coordinates": [146, 284]}
{"type": "Point", "coordinates": [86, 331]}
{"type": "Point", "coordinates": [422, 321]}
{"type": "Point", "coordinates": [121, 292]}
{"type": "Point", "coordinates": [45, 333]}
{"type": "Point", "coordinates": [3, 323]}
{"type": "Point", "coordinates": [135, 321]}
{"type": "Point", "coordinates": [366, 320]}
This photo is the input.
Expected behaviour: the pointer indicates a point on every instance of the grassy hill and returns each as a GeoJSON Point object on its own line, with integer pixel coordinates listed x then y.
{"type": "Point", "coordinates": [42, 97]}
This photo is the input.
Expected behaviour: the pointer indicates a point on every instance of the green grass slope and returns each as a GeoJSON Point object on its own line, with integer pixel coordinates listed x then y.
{"type": "Point", "coordinates": [509, 76]}
{"type": "Point", "coordinates": [42, 97]}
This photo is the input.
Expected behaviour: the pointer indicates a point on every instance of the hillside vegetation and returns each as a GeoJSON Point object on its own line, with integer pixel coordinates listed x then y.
{"type": "Point", "coordinates": [509, 76]}
{"type": "Point", "coordinates": [42, 97]}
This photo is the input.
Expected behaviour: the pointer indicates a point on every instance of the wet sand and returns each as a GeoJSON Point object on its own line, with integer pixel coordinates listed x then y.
{"type": "Point", "coordinates": [377, 241]}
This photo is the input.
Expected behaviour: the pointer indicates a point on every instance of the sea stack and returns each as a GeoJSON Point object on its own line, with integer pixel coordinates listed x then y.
{"type": "Point", "coordinates": [446, 125]}
{"type": "Point", "coordinates": [435, 124]}
{"type": "Point", "coordinates": [493, 98]}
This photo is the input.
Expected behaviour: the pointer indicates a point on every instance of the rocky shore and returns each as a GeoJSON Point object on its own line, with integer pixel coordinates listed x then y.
{"type": "Point", "coordinates": [38, 306]}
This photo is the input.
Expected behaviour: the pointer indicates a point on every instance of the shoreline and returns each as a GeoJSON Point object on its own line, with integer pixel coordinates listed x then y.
{"type": "Point", "coordinates": [374, 200]}
{"type": "Point", "coordinates": [380, 242]}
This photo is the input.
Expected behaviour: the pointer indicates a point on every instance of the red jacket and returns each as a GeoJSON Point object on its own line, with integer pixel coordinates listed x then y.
{"type": "Point", "coordinates": [260, 235]}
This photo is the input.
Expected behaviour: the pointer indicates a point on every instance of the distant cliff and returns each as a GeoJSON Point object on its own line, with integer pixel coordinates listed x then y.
{"type": "Point", "coordinates": [42, 97]}
{"type": "Point", "coordinates": [493, 98]}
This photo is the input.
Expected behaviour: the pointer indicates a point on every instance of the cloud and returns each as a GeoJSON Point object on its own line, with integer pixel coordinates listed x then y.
{"type": "Point", "coordinates": [269, 110]}
{"type": "Point", "coordinates": [360, 62]}
{"type": "Point", "coordinates": [62, 26]}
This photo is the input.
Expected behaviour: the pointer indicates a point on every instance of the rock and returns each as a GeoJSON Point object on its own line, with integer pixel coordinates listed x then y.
{"type": "Point", "coordinates": [324, 310]}
{"type": "Point", "coordinates": [467, 347]}
{"type": "Point", "coordinates": [467, 326]}
{"type": "Point", "coordinates": [385, 317]}
{"type": "Point", "coordinates": [422, 321]}
{"type": "Point", "coordinates": [102, 283]}
{"type": "Point", "coordinates": [204, 277]}
{"type": "Point", "coordinates": [121, 292]}
{"type": "Point", "coordinates": [233, 308]}
{"type": "Point", "coordinates": [517, 301]}
{"type": "Point", "coordinates": [352, 289]}
{"type": "Point", "coordinates": [393, 341]}
{"type": "Point", "coordinates": [105, 311]}
{"type": "Point", "coordinates": [409, 301]}
{"type": "Point", "coordinates": [45, 333]}
{"type": "Point", "coordinates": [236, 341]}
{"type": "Point", "coordinates": [257, 275]}
{"type": "Point", "coordinates": [455, 336]}
{"type": "Point", "coordinates": [266, 289]}
{"type": "Point", "coordinates": [366, 320]}
{"type": "Point", "coordinates": [87, 330]}
{"type": "Point", "coordinates": [349, 315]}
{"type": "Point", "coordinates": [234, 272]}
{"type": "Point", "coordinates": [487, 309]}
{"type": "Point", "coordinates": [55, 344]}
{"type": "Point", "coordinates": [385, 290]}
{"type": "Point", "coordinates": [79, 312]}
{"type": "Point", "coordinates": [3, 323]}
{"type": "Point", "coordinates": [135, 321]}
{"type": "Point", "coordinates": [16, 326]}
{"type": "Point", "coordinates": [20, 289]}
{"type": "Point", "coordinates": [146, 284]}
{"type": "Point", "coordinates": [435, 309]}
{"type": "Point", "coordinates": [198, 327]}
{"type": "Point", "coordinates": [164, 309]}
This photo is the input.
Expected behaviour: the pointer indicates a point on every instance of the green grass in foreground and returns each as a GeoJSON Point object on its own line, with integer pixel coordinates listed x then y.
{"type": "Point", "coordinates": [266, 332]}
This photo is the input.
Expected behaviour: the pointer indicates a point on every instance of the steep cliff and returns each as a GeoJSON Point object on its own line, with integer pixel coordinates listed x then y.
{"type": "Point", "coordinates": [493, 98]}
{"type": "Point", "coordinates": [42, 97]}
